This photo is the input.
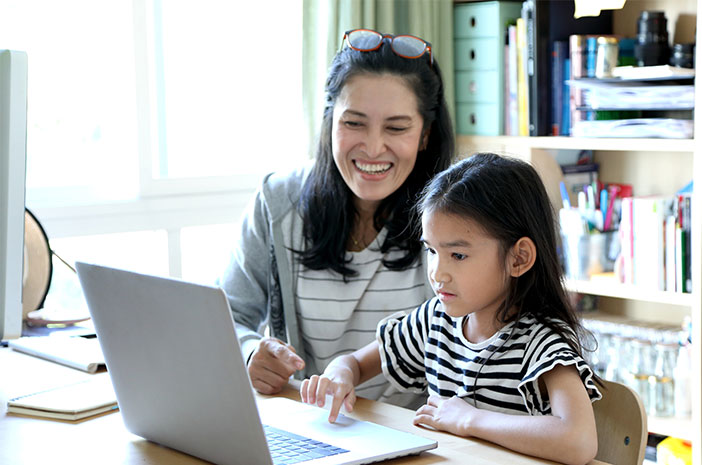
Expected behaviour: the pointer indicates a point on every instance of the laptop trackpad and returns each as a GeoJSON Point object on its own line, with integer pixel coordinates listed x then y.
{"type": "Point", "coordinates": [346, 432]}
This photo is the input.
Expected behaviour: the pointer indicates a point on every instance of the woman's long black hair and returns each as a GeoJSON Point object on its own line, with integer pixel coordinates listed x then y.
{"type": "Point", "coordinates": [326, 203]}
{"type": "Point", "coordinates": [507, 198]}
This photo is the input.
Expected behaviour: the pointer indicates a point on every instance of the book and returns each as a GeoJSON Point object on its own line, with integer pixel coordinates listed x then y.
{"type": "Point", "coordinates": [522, 89]}
{"type": "Point", "coordinates": [534, 106]}
{"type": "Point", "coordinates": [69, 402]}
{"type": "Point", "coordinates": [687, 244]}
{"type": "Point", "coordinates": [511, 81]}
{"type": "Point", "coordinates": [505, 87]}
{"type": "Point", "coordinates": [565, 127]}
{"type": "Point", "coordinates": [79, 352]}
{"type": "Point", "coordinates": [649, 259]}
{"type": "Point", "coordinates": [626, 238]}
{"type": "Point", "coordinates": [670, 252]}
{"type": "Point", "coordinates": [558, 57]}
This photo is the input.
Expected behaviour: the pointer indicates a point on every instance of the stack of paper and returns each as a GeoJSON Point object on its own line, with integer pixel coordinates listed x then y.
{"type": "Point", "coordinates": [666, 128]}
{"type": "Point", "coordinates": [635, 95]}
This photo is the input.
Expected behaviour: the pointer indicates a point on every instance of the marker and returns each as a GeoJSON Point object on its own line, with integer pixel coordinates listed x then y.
{"type": "Point", "coordinates": [610, 207]}
{"type": "Point", "coordinates": [564, 196]}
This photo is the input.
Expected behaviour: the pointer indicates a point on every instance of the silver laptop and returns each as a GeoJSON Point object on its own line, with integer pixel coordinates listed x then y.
{"type": "Point", "coordinates": [180, 380]}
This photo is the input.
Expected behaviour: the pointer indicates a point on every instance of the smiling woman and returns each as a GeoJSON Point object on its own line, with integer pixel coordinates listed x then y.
{"type": "Point", "coordinates": [327, 250]}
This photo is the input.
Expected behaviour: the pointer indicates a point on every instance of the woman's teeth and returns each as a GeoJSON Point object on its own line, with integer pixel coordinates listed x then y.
{"type": "Point", "coordinates": [373, 168]}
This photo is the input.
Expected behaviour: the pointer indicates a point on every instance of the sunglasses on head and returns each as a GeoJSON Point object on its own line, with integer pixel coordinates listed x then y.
{"type": "Point", "coordinates": [406, 46]}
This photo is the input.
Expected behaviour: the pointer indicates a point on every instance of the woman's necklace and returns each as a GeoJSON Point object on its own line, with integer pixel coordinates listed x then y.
{"type": "Point", "coordinates": [357, 246]}
{"type": "Point", "coordinates": [361, 244]}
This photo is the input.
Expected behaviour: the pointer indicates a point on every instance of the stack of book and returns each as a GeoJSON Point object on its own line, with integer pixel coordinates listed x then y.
{"type": "Point", "coordinates": [630, 105]}
{"type": "Point", "coordinates": [531, 106]}
{"type": "Point", "coordinates": [655, 233]}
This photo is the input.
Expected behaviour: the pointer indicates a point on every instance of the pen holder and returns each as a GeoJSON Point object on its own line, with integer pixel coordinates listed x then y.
{"type": "Point", "coordinates": [587, 254]}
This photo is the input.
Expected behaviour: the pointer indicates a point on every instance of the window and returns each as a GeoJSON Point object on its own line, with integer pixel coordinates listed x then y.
{"type": "Point", "coordinates": [155, 115]}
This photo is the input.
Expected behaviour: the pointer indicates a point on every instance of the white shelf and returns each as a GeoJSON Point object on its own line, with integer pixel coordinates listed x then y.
{"type": "Point", "coordinates": [578, 143]}
{"type": "Point", "coordinates": [613, 288]}
{"type": "Point", "coordinates": [673, 426]}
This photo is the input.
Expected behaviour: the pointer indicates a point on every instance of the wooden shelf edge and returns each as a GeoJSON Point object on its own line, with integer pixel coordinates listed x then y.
{"type": "Point", "coordinates": [579, 143]}
{"type": "Point", "coordinates": [627, 291]}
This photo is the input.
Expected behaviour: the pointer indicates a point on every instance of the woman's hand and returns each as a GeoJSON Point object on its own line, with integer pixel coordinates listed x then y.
{"type": "Point", "coordinates": [446, 414]}
{"type": "Point", "coordinates": [338, 382]}
{"type": "Point", "coordinates": [272, 364]}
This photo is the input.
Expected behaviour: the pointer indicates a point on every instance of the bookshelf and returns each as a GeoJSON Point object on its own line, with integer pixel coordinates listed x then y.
{"type": "Point", "coordinates": [653, 166]}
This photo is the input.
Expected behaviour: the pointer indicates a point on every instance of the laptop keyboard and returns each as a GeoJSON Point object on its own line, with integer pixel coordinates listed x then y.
{"type": "Point", "coordinates": [287, 448]}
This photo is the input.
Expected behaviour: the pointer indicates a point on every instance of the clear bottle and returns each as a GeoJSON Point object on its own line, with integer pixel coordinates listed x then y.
{"type": "Point", "coordinates": [681, 381]}
{"type": "Point", "coordinates": [601, 358]}
{"type": "Point", "coordinates": [638, 371]}
{"type": "Point", "coordinates": [663, 393]}
{"type": "Point", "coordinates": [613, 371]}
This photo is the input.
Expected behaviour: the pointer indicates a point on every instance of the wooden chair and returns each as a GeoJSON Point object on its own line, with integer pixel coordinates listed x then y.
{"type": "Point", "coordinates": [622, 430]}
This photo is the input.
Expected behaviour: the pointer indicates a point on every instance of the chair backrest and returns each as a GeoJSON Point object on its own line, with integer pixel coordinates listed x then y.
{"type": "Point", "coordinates": [622, 430]}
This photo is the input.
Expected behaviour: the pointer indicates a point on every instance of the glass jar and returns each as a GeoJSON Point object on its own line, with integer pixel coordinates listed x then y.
{"type": "Point", "coordinates": [662, 401]}
{"type": "Point", "coordinates": [613, 371]}
{"type": "Point", "coordinates": [638, 370]}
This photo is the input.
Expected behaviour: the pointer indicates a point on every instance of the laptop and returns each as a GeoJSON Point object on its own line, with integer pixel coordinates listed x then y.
{"type": "Point", "coordinates": [180, 380]}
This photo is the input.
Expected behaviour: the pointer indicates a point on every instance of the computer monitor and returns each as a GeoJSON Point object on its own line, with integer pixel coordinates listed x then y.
{"type": "Point", "coordinates": [13, 151]}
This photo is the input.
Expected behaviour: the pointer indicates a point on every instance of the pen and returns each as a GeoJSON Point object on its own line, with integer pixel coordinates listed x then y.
{"type": "Point", "coordinates": [608, 215]}
{"type": "Point", "coordinates": [590, 197]}
{"type": "Point", "coordinates": [603, 205]}
{"type": "Point", "coordinates": [582, 204]}
{"type": "Point", "coordinates": [564, 195]}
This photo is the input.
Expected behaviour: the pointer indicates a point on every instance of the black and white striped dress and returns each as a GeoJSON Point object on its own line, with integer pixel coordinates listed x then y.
{"type": "Point", "coordinates": [337, 317]}
{"type": "Point", "coordinates": [427, 349]}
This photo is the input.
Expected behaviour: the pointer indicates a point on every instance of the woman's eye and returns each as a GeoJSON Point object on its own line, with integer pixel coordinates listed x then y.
{"type": "Point", "coordinates": [458, 256]}
{"type": "Point", "coordinates": [352, 124]}
{"type": "Point", "coordinates": [396, 129]}
{"type": "Point", "coordinates": [430, 250]}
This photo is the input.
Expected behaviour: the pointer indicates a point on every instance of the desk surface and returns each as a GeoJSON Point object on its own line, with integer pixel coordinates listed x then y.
{"type": "Point", "coordinates": [104, 439]}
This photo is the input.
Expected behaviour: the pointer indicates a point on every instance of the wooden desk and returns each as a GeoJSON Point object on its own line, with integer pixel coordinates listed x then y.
{"type": "Point", "coordinates": [104, 439]}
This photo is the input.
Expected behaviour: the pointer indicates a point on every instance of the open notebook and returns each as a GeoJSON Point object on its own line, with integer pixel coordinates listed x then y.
{"type": "Point", "coordinates": [180, 380]}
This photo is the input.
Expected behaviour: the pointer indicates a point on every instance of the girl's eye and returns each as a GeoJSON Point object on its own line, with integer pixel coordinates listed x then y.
{"type": "Point", "coordinates": [430, 250]}
{"type": "Point", "coordinates": [458, 256]}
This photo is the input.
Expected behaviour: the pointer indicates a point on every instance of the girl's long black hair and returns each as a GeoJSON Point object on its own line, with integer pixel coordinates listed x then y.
{"type": "Point", "coordinates": [326, 203]}
{"type": "Point", "coordinates": [508, 199]}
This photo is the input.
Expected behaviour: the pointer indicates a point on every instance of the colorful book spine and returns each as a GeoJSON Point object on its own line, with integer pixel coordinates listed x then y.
{"type": "Point", "coordinates": [648, 219]}
{"type": "Point", "coordinates": [511, 79]}
{"type": "Point", "coordinates": [506, 129]}
{"type": "Point", "coordinates": [626, 237]}
{"type": "Point", "coordinates": [565, 127]}
{"type": "Point", "coordinates": [522, 88]}
{"type": "Point", "coordinates": [558, 57]}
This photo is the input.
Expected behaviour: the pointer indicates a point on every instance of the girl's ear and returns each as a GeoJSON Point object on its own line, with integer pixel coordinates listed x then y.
{"type": "Point", "coordinates": [522, 257]}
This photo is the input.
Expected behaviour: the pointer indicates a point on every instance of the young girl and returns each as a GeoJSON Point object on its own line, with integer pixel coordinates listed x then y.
{"type": "Point", "coordinates": [498, 346]}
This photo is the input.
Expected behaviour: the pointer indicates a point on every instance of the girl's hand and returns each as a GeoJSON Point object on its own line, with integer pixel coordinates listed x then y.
{"type": "Point", "coordinates": [336, 381]}
{"type": "Point", "coordinates": [446, 414]}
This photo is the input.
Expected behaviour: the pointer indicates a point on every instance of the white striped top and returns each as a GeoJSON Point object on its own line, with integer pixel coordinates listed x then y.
{"type": "Point", "coordinates": [427, 349]}
{"type": "Point", "coordinates": [338, 317]}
